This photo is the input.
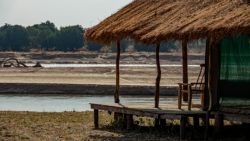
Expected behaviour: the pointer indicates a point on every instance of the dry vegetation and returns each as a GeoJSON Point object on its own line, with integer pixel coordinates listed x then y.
{"type": "Point", "coordinates": [23, 126]}
{"type": "Point", "coordinates": [67, 126]}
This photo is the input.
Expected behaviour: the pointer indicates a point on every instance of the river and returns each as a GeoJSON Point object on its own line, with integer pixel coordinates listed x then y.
{"type": "Point", "coordinates": [109, 65]}
{"type": "Point", "coordinates": [61, 103]}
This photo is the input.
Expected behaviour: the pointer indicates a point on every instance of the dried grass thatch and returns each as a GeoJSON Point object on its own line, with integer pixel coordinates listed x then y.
{"type": "Point", "coordinates": [152, 21]}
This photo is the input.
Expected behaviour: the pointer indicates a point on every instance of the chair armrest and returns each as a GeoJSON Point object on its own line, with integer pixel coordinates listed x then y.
{"type": "Point", "coordinates": [184, 84]}
{"type": "Point", "coordinates": [197, 83]}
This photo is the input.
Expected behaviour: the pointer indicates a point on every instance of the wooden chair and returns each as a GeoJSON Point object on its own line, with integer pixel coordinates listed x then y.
{"type": "Point", "coordinates": [192, 88]}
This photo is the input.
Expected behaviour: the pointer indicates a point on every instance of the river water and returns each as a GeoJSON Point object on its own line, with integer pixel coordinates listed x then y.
{"type": "Point", "coordinates": [60, 103]}
{"type": "Point", "coordinates": [108, 65]}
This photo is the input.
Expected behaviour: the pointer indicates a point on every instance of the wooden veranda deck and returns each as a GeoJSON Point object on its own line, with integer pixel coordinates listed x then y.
{"type": "Point", "coordinates": [146, 109]}
{"type": "Point", "coordinates": [165, 111]}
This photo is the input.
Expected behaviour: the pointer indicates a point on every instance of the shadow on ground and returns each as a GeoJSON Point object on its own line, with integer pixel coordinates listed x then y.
{"type": "Point", "coordinates": [171, 133]}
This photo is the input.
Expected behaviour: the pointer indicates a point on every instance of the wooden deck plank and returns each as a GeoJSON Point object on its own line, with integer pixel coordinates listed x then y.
{"type": "Point", "coordinates": [165, 111]}
{"type": "Point", "coordinates": [124, 110]}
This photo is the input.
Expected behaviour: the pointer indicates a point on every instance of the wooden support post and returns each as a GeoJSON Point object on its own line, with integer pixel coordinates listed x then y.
{"type": "Point", "coordinates": [207, 122]}
{"type": "Point", "coordinates": [129, 121]}
{"type": "Point", "coordinates": [179, 97]}
{"type": "Point", "coordinates": [196, 122]}
{"type": "Point", "coordinates": [183, 125]}
{"type": "Point", "coordinates": [157, 122]}
{"type": "Point", "coordinates": [218, 123]}
{"type": "Point", "coordinates": [118, 117]}
{"type": "Point", "coordinates": [163, 122]}
{"type": "Point", "coordinates": [185, 67]}
{"type": "Point", "coordinates": [158, 78]}
{"type": "Point", "coordinates": [214, 73]}
{"type": "Point", "coordinates": [189, 97]}
{"type": "Point", "coordinates": [96, 119]}
{"type": "Point", "coordinates": [117, 90]}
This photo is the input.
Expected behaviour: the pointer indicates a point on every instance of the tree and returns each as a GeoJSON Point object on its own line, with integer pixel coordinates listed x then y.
{"type": "Point", "coordinates": [92, 46]}
{"type": "Point", "coordinates": [70, 38]}
{"type": "Point", "coordinates": [14, 38]}
{"type": "Point", "coordinates": [43, 35]}
{"type": "Point", "coordinates": [123, 45]}
{"type": "Point", "coordinates": [168, 46]}
{"type": "Point", "coordinates": [142, 47]}
{"type": "Point", "coordinates": [1, 39]}
{"type": "Point", "coordinates": [165, 47]}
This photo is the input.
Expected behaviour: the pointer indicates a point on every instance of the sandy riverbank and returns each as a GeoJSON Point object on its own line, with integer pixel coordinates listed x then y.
{"type": "Point", "coordinates": [91, 80]}
{"type": "Point", "coordinates": [87, 57]}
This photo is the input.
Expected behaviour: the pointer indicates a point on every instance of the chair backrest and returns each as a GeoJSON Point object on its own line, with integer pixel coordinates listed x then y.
{"type": "Point", "coordinates": [200, 80]}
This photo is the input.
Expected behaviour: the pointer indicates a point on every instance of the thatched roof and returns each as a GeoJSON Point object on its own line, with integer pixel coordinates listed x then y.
{"type": "Point", "coordinates": [152, 21]}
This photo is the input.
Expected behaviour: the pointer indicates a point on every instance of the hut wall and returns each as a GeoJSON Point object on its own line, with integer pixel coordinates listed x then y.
{"type": "Point", "coordinates": [234, 72]}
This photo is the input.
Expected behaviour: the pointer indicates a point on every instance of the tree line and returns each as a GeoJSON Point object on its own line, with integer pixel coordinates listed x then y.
{"type": "Point", "coordinates": [41, 36]}
{"type": "Point", "coordinates": [46, 36]}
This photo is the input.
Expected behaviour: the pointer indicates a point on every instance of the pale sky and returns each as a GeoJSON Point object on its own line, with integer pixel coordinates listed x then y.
{"type": "Point", "coordinates": [61, 12]}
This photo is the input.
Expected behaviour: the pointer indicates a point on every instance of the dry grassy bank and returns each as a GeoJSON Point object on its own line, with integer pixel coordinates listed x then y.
{"type": "Point", "coordinates": [23, 126]}
{"type": "Point", "coordinates": [66, 126]}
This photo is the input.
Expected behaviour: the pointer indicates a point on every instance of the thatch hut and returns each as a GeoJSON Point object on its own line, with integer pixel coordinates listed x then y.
{"type": "Point", "coordinates": [225, 24]}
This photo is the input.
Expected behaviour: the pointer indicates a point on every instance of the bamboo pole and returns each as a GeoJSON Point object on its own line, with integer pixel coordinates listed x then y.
{"type": "Point", "coordinates": [158, 78]}
{"type": "Point", "coordinates": [117, 90]}
{"type": "Point", "coordinates": [185, 67]}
